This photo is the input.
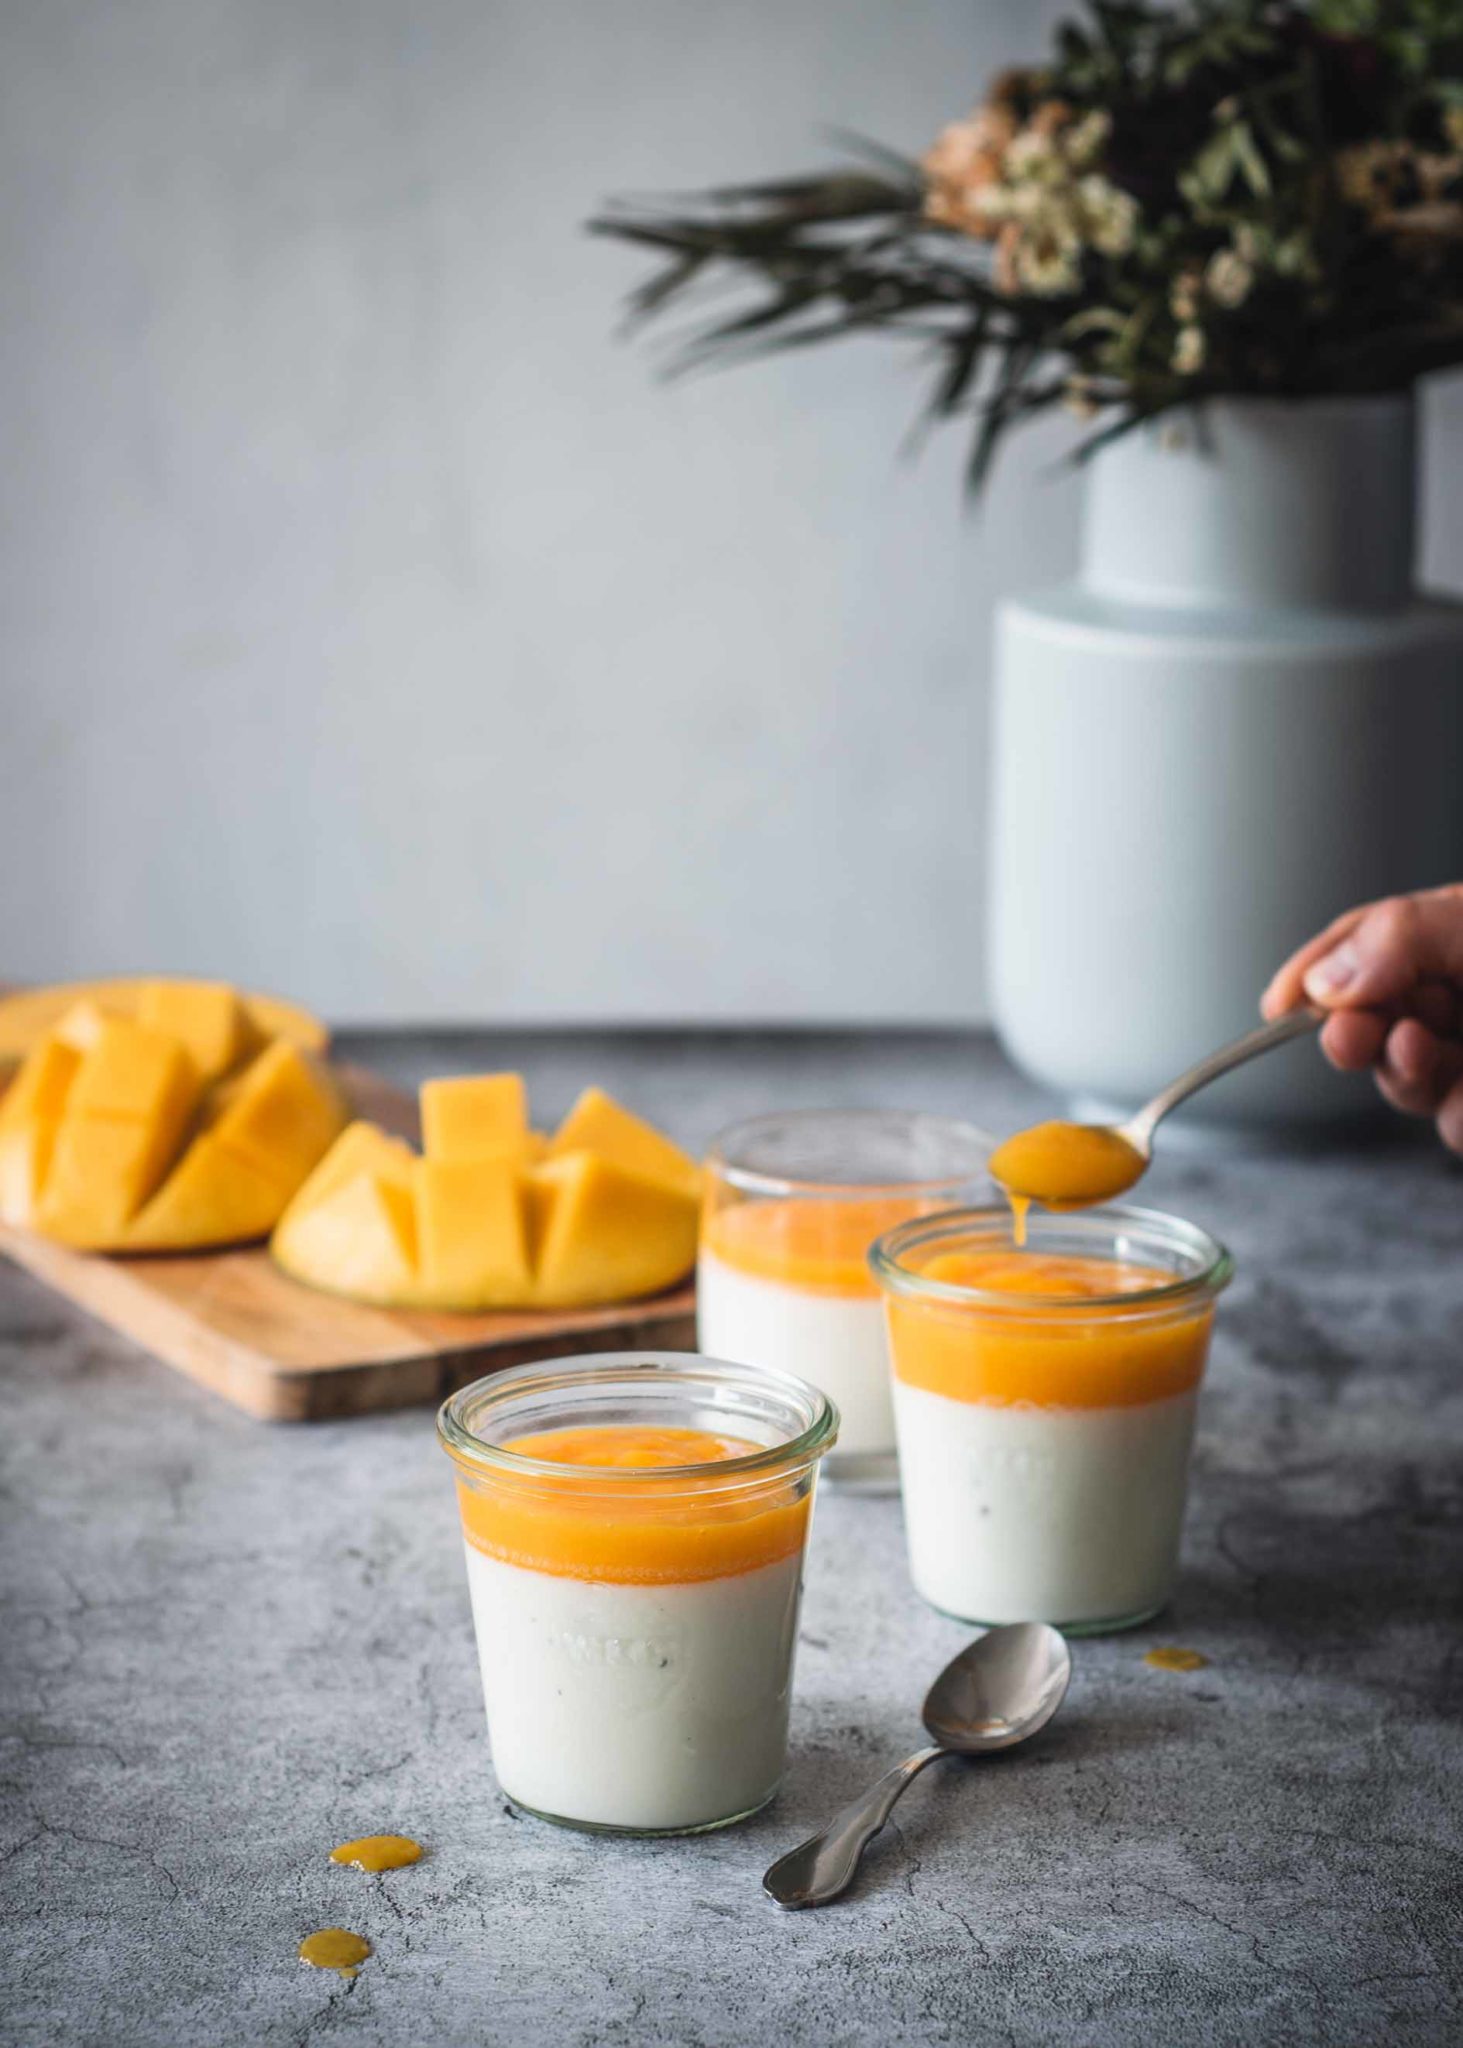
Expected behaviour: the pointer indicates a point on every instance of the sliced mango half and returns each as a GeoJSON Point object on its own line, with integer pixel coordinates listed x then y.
{"type": "Point", "coordinates": [111, 1139]}
{"type": "Point", "coordinates": [483, 1220]}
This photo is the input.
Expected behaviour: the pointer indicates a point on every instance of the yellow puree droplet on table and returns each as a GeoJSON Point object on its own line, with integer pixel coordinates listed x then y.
{"type": "Point", "coordinates": [335, 1948]}
{"type": "Point", "coordinates": [1170, 1658]}
{"type": "Point", "coordinates": [378, 1852]}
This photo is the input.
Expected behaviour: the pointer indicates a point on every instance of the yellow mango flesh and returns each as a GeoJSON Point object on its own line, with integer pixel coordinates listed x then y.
{"type": "Point", "coordinates": [39, 1091]}
{"type": "Point", "coordinates": [361, 1240]}
{"type": "Point", "coordinates": [281, 1117]}
{"type": "Point", "coordinates": [101, 1171]}
{"type": "Point", "coordinates": [135, 1073]}
{"type": "Point", "coordinates": [604, 1234]}
{"type": "Point", "coordinates": [492, 1229]}
{"type": "Point", "coordinates": [81, 1025]}
{"type": "Point", "coordinates": [597, 1123]}
{"type": "Point", "coordinates": [30, 1116]}
{"type": "Point", "coordinates": [473, 1116]}
{"type": "Point", "coordinates": [206, 1017]}
{"type": "Point", "coordinates": [472, 1232]}
{"type": "Point", "coordinates": [107, 1142]}
{"type": "Point", "coordinates": [125, 1115]}
{"type": "Point", "coordinates": [211, 1197]}
{"type": "Point", "coordinates": [26, 1151]}
{"type": "Point", "coordinates": [360, 1148]}
{"type": "Point", "coordinates": [30, 1013]}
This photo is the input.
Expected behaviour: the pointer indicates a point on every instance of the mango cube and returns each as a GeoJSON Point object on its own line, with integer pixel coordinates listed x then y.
{"type": "Point", "coordinates": [360, 1148]}
{"type": "Point", "coordinates": [30, 1116]}
{"type": "Point", "coordinates": [39, 1091]}
{"type": "Point", "coordinates": [361, 1240]}
{"type": "Point", "coordinates": [102, 1171]}
{"type": "Point", "coordinates": [474, 1116]}
{"type": "Point", "coordinates": [141, 1075]}
{"type": "Point", "coordinates": [212, 1196]}
{"type": "Point", "coordinates": [603, 1233]}
{"type": "Point", "coordinates": [206, 1017]}
{"type": "Point", "coordinates": [25, 1161]}
{"type": "Point", "coordinates": [282, 1118]}
{"type": "Point", "coordinates": [126, 1113]}
{"type": "Point", "coordinates": [597, 1123]}
{"type": "Point", "coordinates": [472, 1231]}
{"type": "Point", "coordinates": [82, 1024]}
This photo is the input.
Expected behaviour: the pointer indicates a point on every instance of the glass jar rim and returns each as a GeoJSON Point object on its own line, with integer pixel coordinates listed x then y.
{"type": "Point", "coordinates": [888, 1253]}
{"type": "Point", "coordinates": [636, 1369]}
{"type": "Point", "coordinates": [720, 1159]}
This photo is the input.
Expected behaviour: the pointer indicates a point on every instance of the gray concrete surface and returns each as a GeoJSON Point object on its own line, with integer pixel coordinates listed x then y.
{"type": "Point", "coordinates": [227, 1647]}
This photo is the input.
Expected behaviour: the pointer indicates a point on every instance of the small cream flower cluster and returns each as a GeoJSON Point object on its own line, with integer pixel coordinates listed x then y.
{"type": "Point", "coordinates": [1226, 282]}
{"type": "Point", "coordinates": [1033, 189]}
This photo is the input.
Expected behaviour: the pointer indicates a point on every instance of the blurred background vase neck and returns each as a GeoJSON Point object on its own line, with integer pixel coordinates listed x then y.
{"type": "Point", "coordinates": [1258, 502]}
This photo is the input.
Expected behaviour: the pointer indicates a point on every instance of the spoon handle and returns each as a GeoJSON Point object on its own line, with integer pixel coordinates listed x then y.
{"type": "Point", "coordinates": [1292, 1025]}
{"type": "Point", "coordinates": [822, 1868]}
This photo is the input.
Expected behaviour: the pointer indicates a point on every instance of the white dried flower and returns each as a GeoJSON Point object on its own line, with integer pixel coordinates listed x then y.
{"type": "Point", "coordinates": [1229, 280]}
{"type": "Point", "coordinates": [1183, 297]}
{"type": "Point", "coordinates": [1111, 215]}
{"type": "Point", "coordinates": [1045, 266]}
{"type": "Point", "coordinates": [1189, 351]}
{"type": "Point", "coordinates": [1034, 156]}
{"type": "Point", "coordinates": [1086, 139]}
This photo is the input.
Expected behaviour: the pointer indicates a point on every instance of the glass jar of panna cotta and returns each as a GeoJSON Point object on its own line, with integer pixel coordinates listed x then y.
{"type": "Point", "coordinates": [634, 1525]}
{"type": "Point", "coordinates": [1044, 1397]}
{"type": "Point", "coordinates": [792, 1204]}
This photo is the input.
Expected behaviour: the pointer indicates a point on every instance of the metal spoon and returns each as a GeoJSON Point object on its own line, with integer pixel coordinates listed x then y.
{"type": "Point", "coordinates": [1139, 1129]}
{"type": "Point", "coordinates": [1101, 1161]}
{"type": "Point", "coordinates": [999, 1690]}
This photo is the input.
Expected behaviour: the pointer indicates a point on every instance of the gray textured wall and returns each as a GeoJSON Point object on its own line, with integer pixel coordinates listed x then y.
{"type": "Point", "coordinates": [373, 626]}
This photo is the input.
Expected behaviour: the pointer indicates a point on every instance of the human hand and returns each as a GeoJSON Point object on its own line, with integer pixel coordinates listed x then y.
{"type": "Point", "coordinates": [1391, 974]}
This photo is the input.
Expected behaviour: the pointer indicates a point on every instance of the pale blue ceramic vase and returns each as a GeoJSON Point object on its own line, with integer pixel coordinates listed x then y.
{"type": "Point", "coordinates": [1237, 720]}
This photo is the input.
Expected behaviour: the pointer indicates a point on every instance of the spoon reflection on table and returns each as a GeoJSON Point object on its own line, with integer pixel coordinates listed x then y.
{"type": "Point", "coordinates": [1001, 1689]}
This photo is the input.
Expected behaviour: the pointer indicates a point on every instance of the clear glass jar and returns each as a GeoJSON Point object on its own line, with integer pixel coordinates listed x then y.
{"type": "Point", "coordinates": [636, 1619]}
{"type": "Point", "coordinates": [792, 1203]}
{"type": "Point", "coordinates": [1044, 1399]}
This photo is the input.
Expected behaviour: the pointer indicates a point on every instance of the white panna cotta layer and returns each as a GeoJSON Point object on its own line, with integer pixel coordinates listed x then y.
{"type": "Point", "coordinates": [835, 1340]}
{"type": "Point", "coordinates": [1018, 1512]}
{"type": "Point", "coordinates": [633, 1706]}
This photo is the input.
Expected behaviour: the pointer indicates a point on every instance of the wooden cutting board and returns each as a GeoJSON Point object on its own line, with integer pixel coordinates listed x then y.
{"type": "Point", "coordinates": [284, 1353]}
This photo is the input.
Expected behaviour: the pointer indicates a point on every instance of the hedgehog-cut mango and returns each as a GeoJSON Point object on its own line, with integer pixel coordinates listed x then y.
{"type": "Point", "coordinates": [175, 1134]}
{"type": "Point", "coordinates": [494, 1216]}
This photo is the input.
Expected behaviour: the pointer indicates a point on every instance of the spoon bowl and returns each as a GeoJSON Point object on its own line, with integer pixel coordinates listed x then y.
{"type": "Point", "coordinates": [999, 1691]}
{"type": "Point", "coordinates": [1072, 1166]}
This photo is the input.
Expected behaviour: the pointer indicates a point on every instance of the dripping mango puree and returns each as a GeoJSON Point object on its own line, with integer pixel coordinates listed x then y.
{"type": "Point", "coordinates": [1053, 1325]}
{"type": "Point", "coordinates": [633, 1505]}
